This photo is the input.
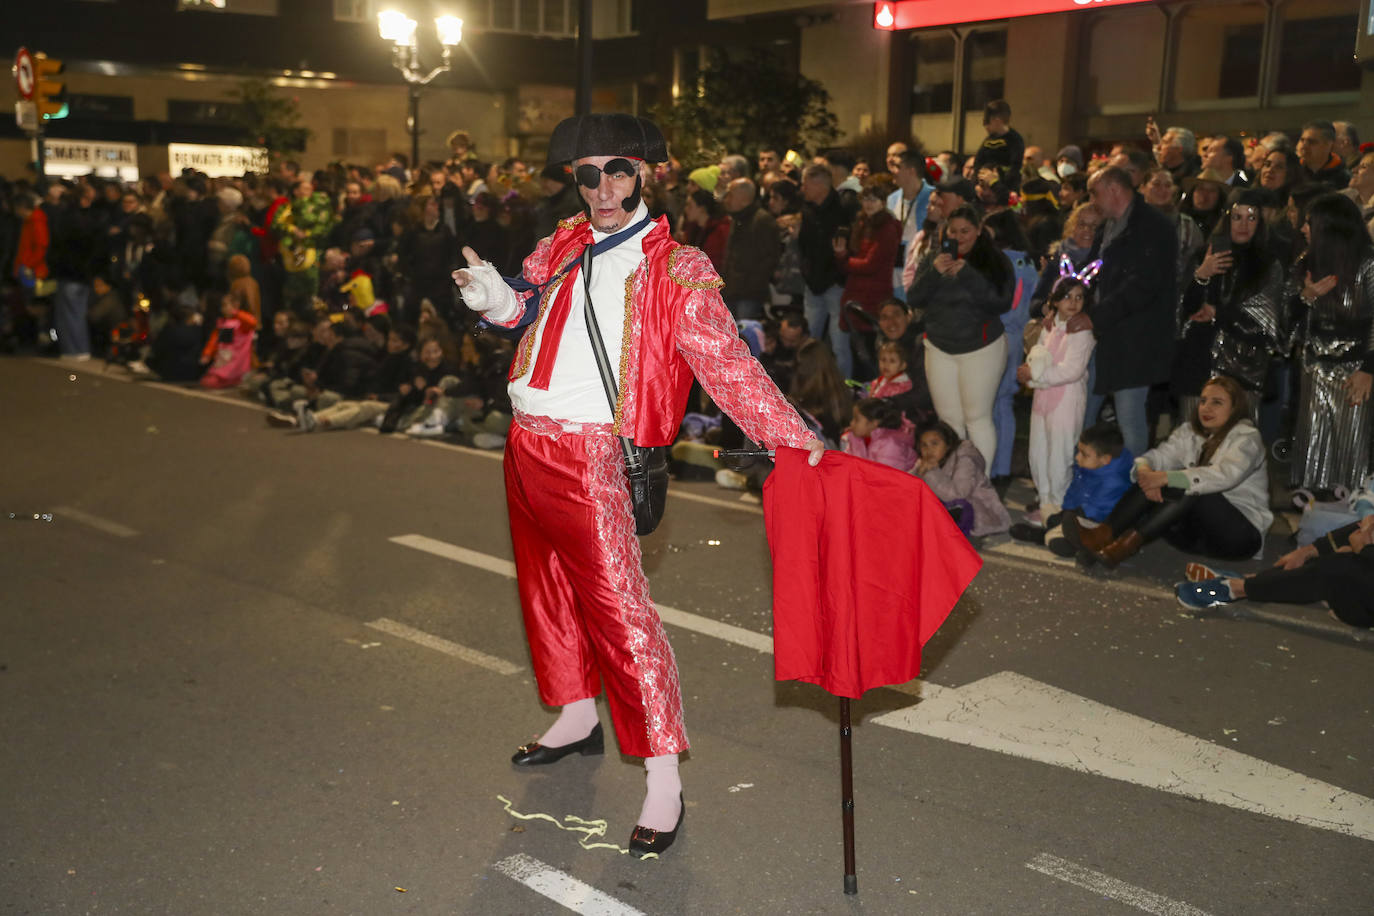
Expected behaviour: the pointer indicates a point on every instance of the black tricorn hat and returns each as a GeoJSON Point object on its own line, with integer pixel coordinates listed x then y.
{"type": "Point", "coordinates": [607, 135]}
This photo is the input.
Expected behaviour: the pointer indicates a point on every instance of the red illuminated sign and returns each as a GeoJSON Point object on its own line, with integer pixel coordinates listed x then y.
{"type": "Point", "coordinates": [916, 14]}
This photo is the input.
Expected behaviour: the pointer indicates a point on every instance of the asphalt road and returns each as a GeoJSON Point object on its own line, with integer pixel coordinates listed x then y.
{"type": "Point", "coordinates": [199, 719]}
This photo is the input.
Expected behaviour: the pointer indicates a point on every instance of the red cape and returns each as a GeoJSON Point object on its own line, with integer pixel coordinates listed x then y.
{"type": "Point", "coordinates": [867, 564]}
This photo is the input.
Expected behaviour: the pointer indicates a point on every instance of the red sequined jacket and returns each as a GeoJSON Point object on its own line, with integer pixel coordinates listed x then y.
{"type": "Point", "coordinates": [676, 327]}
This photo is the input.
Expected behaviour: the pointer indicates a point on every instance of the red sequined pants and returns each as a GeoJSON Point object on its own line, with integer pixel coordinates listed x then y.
{"type": "Point", "coordinates": [588, 615]}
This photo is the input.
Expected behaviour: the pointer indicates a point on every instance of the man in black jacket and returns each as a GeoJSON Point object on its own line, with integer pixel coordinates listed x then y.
{"type": "Point", "coordinates": [1133, 316]}
{"type": "Point", "coordinates": [823, 220]}
{"type": "Point", "coordinates": [75, 253]}
{"type": "Point", "coordinates": [751, 253]}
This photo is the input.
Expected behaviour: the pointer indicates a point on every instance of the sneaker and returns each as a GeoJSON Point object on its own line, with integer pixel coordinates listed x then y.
{"type": "Point", "coordinates": [424, 430]}
{"type": "Point", "coordinates": [307, 418]}
{"type": "Point", "coordinates": [281, 419]}
{"type": "Point", "coordinates": [490, 441]}
{"type": "Point", "coordinates": [1034, 518]}
{"type": "Point", "coordinates": [300, 406]}
{"type": "Point", "coordinates": [1202, 595]}
{"type": "Point", "coordinates": [1200, 572]}
{"type": "Point", "coordinates": [138, 367]}
{"type": "Point", "coordinates": [75, 357]}
{"type": "Point", "coordinates": [731, 480]}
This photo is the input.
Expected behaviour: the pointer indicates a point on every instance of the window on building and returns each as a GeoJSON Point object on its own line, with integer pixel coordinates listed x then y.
{"type": "Point", "coordinates": [1317, 47]}
{"type": "Point", "coordinates": [1119, 69]}
{"type": "Point", "coordinates": [985, 67]}
{"type": "Point", "coordinates": [932, 88]}
{"type": "Point", "coordinates": [555, 18]}
{"type": "Point", "coordinates": [195, 111]}
{"type": "Point", "coordinates": [250, 7]}
{"type": "Point", "coordinates": [356, 11]}
{"type": "Point", "coordinates": [1217, 52]}
{"type": "Point", "coordinates": [100, 107]}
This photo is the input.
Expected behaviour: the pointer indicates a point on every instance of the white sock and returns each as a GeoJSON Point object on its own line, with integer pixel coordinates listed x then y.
{"type": "Point", "coordinates": [663, 798]}
{"type": "Point", "coordinates": [574, 723]}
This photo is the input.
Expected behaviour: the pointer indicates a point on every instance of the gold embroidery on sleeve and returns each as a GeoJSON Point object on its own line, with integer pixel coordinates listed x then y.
{"type": "Point", "coordinates": [673, 256]}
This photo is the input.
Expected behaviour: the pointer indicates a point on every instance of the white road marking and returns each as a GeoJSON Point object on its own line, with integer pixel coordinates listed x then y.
{"type": "Point", "coordinates": [93, 521]}
{"type": "Point", "coordinates": [458, 554]}
{"type": "Point", "coordinates": [735, 504]}
{"type": "Point", "coordinates": [1107, 886]}
{"type": "Point", "coordinates": [1016, 715]}
{"type": "Point", "coordinates": [439, 644]}
{"type": "Point", "coordinates": [562, 888]}
{"type": "Point", "coordinates": [671, 615]}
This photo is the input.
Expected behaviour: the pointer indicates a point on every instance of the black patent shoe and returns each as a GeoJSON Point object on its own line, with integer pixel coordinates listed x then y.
{"type": "Point", "coordinates": [646, 840]}
{"type": "Point", "coordinates": [536, 754]}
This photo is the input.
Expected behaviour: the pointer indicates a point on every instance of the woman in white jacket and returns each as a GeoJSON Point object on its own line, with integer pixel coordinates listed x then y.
{"type": "Point", "coordinates": [1204, 489]}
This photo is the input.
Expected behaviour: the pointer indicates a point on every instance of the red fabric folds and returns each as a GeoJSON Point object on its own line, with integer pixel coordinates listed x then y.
{"type": "Point", "coordinates": [572, 244]}
{"type": "Point", "coordinates": [866, 566]}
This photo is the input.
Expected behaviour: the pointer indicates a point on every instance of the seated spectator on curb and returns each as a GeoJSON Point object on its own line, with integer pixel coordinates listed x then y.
{"type": "Point", "coordinates": [1337, 569]}
{"type": "Point", "coordinates": [1101, 476]}
{"type": "Point", "coordinates": [272, 350]}
{"type": "Point", "coordinates": [780, 359]}
{"type": "Point", "coordinates": [300, 352]}
{"type": "Point", "coordinates": [819, 393]}
{"type": "Point", "coordinates": [228, 353]}
{"type": "Point", "coordinates": [878, 431]}
{"type": "Point", "coordinates": [1057, 369]}
{"type": "Point", "coordinates": [175, 352]}
{"type": "Point", "coordinates": [476, 404]}
{"type": "Point", "coordinates": [1205, 489]}
{"type": "Point", "coordinates": [396, 371]}
{"type": "Point", "coordinates": [417, 398]}
{"type": "Point", "coordinates": [955, 472]}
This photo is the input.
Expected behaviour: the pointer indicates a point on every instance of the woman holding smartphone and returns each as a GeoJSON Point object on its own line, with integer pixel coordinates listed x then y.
{"type": "Point", "coordinates": [1232, 312]}
{"type": "Point", "coordinates": [964, 286]}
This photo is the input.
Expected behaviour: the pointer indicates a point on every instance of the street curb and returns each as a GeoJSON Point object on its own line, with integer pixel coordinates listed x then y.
{"type": "Point", "coordinates": [1337, 632]}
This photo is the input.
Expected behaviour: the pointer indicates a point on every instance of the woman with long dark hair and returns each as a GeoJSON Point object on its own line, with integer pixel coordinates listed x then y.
{"type": "Point", "coordinates": [964, 286]}
{"type": "Point", "coordinates": [1335, 328]}
{"type": "Point", "coordinates": [866, 257]}
{"type": "Point", "coordinates": [819, 393]}
{"type": "Point", "coordinates": [1232, 312]}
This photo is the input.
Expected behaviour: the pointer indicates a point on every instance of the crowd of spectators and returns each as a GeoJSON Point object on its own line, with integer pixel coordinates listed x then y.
{"type": "Point", "coordinates": [1215, 293]}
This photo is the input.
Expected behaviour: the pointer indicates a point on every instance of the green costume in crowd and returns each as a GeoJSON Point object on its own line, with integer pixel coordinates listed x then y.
{"type": "Point", "coordinates": [301, 226]}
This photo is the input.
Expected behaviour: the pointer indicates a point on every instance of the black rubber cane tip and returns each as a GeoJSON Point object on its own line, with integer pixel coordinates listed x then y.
{"type": "Point", "coordinates": [851, 885]}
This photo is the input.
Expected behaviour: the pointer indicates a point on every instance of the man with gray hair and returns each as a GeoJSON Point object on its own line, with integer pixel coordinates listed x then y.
{"type": "Point", "coordinates": [1347, 143]}
{"type": "Point", "coordinates": [731, 167]}
{"type": "Point", "coordinates": [1177, 152]}
{"type": "Point", "coordinates": [1133, 316]}
{"type": "Point", "coordinates": [751, 252]}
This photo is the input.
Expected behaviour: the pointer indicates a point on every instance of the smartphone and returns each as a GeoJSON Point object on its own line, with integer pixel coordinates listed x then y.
{"type": "Point", "coordinates": [1221, 244]}
{"type": "Point", "coordinates": [949, 247]}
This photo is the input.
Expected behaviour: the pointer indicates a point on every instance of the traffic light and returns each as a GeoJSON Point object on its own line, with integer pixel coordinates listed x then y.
{"type": "Point", "coordinates": [49, 91]}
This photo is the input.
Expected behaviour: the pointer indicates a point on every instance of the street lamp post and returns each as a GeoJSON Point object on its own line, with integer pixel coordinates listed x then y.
{"type": "Point", "coordinates": [399, 29]}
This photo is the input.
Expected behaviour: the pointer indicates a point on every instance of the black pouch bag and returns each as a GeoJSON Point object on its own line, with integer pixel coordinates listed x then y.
{"type": "Point", "coordinates": [646, 468]}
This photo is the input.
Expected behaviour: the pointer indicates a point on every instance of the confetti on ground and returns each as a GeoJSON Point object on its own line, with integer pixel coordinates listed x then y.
{"type": "Point", "coordinates": [574, 824]}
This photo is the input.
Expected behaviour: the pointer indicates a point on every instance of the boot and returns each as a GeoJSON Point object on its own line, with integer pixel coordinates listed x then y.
{"type": "Point", "coordinates": [1124, 547]}
{"type": "Point", "coordinates": [1092, 539]}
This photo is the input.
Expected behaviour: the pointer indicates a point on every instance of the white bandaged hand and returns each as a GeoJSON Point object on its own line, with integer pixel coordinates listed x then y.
{"type": "Point", "coordinates": [484, 291]}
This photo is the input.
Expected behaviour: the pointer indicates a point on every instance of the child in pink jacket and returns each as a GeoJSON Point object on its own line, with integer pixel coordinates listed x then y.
{"type": "Point", "coordinates": [879, 432]}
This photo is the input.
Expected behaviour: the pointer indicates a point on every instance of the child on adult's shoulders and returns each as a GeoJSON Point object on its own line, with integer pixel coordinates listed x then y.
{"type": "Point", "coordinates": [956, 472]}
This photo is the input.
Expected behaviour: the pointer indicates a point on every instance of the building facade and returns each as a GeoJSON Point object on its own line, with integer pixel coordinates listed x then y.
{"type": "Point", "coordinates": [1091, 74]}
{"type": "Point", "coordinates": [145, 74]}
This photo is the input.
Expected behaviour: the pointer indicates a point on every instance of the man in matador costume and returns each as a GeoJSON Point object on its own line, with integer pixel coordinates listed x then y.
{"type": "Point", "coordinates": [587, 612]}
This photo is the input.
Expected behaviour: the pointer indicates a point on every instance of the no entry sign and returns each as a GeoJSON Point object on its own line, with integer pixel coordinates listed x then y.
{"type": "Point", "coordinates": [23, 73]}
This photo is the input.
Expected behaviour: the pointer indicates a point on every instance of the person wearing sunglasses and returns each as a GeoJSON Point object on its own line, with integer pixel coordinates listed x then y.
{"type": "Point", "coordinates": [658, 311]}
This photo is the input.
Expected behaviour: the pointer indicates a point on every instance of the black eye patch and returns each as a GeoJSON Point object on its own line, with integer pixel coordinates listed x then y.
{"type": "Point", "coordinates": [589, 176]}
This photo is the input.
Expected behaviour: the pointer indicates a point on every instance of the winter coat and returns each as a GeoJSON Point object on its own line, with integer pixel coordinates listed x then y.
{"type": "Point", "coordinates": [1236, 471]}
{"type": "Point", "coordinates": [962, 312]}
{"type": "Point", "coordinates": [1095, 491]}
{"type": "Point", "coordinates": [1133, 317]}
{"type": "Point", "coordinates": [964, 476]}
{"type": "Point", "coordinates": [751, 252]}
{"type": "Point", "coordinates": [868, 266]}
{"type": "Point", "coordinates": [895, 448]}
